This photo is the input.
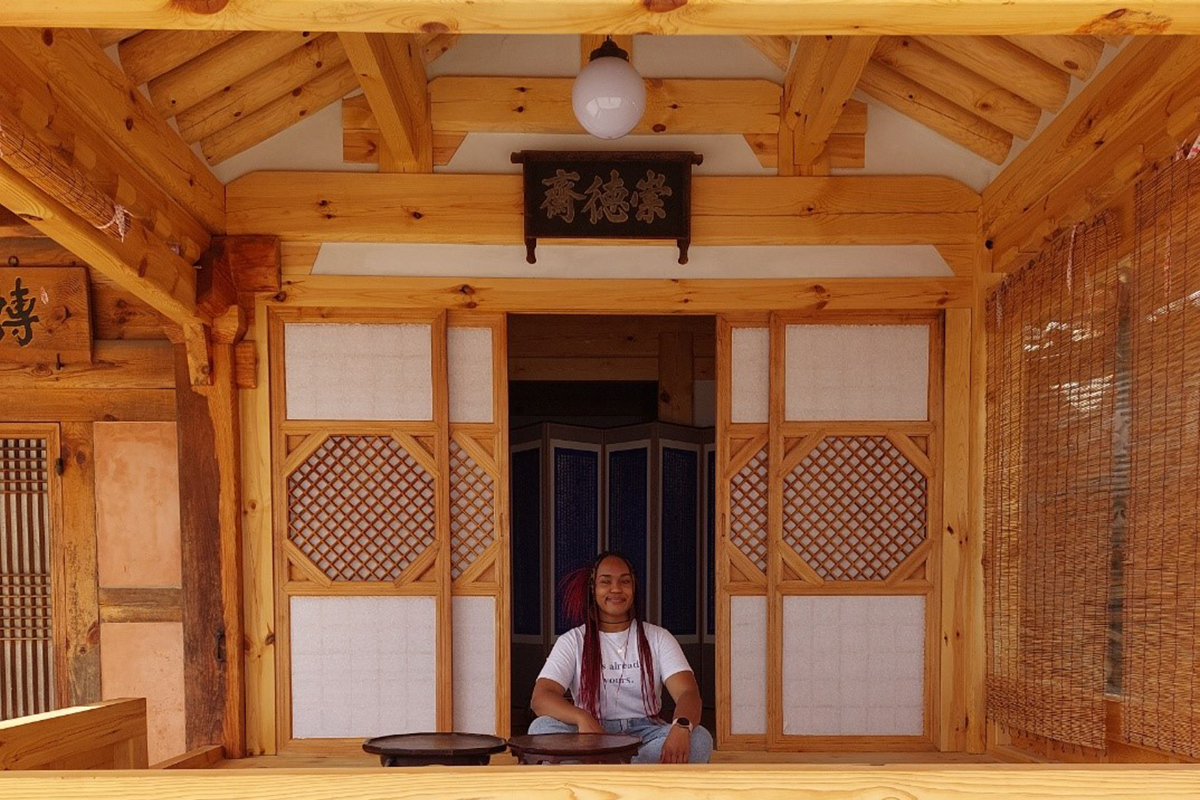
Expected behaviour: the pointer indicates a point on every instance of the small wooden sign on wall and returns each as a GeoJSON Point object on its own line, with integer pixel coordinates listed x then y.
{"type": "Point", "coordinates": [45, 315]}
{"type": "Point", "coordinates": [599, 195]}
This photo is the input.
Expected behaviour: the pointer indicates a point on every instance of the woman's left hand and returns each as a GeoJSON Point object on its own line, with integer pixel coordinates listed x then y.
{"type": "Point", "coordinates": [677, 747]}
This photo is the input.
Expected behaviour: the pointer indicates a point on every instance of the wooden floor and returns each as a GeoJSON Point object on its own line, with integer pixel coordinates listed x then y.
{"type": "Point", "coordinates": [339, 756]}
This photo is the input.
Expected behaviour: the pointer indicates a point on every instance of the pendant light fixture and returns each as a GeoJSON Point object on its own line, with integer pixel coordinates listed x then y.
{"type": "Point", "coordinates": [609, 96]}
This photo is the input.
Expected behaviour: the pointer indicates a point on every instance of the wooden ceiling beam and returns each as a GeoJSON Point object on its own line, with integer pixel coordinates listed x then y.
{"type": "Point", "coordinates": [40, 186]}
{"type": "Point", "coordinates": [1077, 55]}
{"type": "Point", "coordinates": [153, 53]}
{"type": "Point", "coordinates": [76, 78]}
{"type": "Point", "coordinates": [813, 102]}
{"type": "Point", "coordinates": [936, 112]}
{"type": "Point", "coordinates": [279, 78]}
{"type": "Point", "coordinates": [391, 71]}
{"type": "Point", "coordinates": [1007, 65]}
{"type": "Point", "coordinates": [434, 46]}
{"type": "Point", "coordinates": [715, 17]}
{"type": "Point", "coordinates": [488, 209]}
{"type": "Point", "coordinates": [908, 57]}
{"type": "Point", "coordinates": [210, 72]}
{"type": "Point", "coordinates": [1138, 108]}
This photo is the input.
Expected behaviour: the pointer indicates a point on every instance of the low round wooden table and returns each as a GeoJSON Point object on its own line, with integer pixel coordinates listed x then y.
{"type": "Point", "coordinates": [581, 748]}
{"type": "Point", "coordinates": [428, 749]}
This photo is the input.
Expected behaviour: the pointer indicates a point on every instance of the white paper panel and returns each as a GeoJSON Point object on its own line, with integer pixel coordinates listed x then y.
{"type": "Point", "coordinates": [469, 352]}
{"type": "Point", "coordinates": [474, 627]}
{"type": "Point", "coordinates": [363, 666]}
{"type": "Point", "coordinates": [751, 370]}
{"type": "Point", "coordinates": [748, 667]}
{"type": "Point", "coordinates": [858, 372]}
{"type": "Point", "coordinates": [853, 665]}
{"type": "Point", "coordinates": [336, 371]}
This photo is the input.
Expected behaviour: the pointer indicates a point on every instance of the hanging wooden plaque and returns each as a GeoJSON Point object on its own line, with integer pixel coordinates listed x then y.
{"type": "Point", "coordinates": [45, 315]}
{"type": "Point", "coordinates": [601, 195]}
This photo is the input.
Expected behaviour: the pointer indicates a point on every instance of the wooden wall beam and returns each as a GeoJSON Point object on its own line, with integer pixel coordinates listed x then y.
{"type": "Point", "coordinates": [740, 17]}
{"type": "Point", "coordinates": [391, 71]}
{"type": "Point", "coordinates": [81, 683]}
{"type": "Point", "coordinates": [1138, 109]}
{"type": "Point", "coordinates": [87, 405]}
{"type": "Point", "coordinates": [487, 209]}
{"type": "Point", "coordinates": [676, 377]}
{"type": "Point", "coordinates": [583, 296]}
{"type": "Point", "coordinates": [650, 782]}
{"type": "Point", "coordinates": [114, 365]}
{"type": "Point", "coordinates": [89, 83]}
{"type": "Point", "coordinates": [210, 525]}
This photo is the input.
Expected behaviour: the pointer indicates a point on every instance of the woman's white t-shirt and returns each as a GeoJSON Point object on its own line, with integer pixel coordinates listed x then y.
{"type": "Point", "coordinates": [621, 667]}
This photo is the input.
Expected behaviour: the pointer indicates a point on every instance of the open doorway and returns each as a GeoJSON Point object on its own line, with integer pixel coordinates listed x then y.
{"type": "Point", "coordinates": [612, 444]}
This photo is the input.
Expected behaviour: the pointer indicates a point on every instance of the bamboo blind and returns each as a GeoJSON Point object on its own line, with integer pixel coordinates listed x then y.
{"type": "Point", "coordinates": [26, 643]}
{"type": "Point", "coordinates": [1051, 401]}
{"type": "Point", "coordinates": [1161, 663]}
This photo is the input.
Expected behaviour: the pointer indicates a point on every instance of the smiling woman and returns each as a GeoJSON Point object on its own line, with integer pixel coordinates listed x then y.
{"type": "Point", "coordinates": [616, 679]}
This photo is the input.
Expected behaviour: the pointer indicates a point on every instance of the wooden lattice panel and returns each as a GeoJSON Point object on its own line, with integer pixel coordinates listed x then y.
{"type": "Point", "coordinates": [854, 508]}
{"type": "Point", "coordinates": [748, 509]}
{"type": "Point", "coordinates": [361, 508]}
{"type": "Point", "coordinates": [472, 510]}
{"type": "Point", "coordinates": [26, 640]}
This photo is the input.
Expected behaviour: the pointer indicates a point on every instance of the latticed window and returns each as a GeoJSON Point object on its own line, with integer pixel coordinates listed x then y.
{"type": "Point", "coordinates": [26, 641]}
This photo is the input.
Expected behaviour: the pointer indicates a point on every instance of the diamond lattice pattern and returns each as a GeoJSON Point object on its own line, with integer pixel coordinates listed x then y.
{"type": "Point", "coordinates": [361, 508]}
{"type": "Point", "coordinates": [748, 509]}
{"type": "Point", "coordinates": [854, 508]}
{"type": "Point", "coordinates": [472, 510]}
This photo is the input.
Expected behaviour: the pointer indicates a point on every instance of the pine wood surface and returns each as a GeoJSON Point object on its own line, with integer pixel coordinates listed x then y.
{"type": "Point", "coordinates": [105, 735]}
{"type": "Point", "coordinates": [79, 678]}
{"type": "Point", "coordinates": [767, 781]}
{"type": "Point", "coordinates": [622, 17]}
{"type": "Point", "coordinates": [487, 209]}
{"type": "Point", "coordinates": [559, 296]}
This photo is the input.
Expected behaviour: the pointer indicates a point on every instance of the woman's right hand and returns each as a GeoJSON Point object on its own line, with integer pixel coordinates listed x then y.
{"type": "Point", "coordinates": [588, 724]}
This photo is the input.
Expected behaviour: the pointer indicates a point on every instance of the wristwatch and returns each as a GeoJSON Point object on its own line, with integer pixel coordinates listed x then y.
{"type": "Point", "coordinates": [684, 723]}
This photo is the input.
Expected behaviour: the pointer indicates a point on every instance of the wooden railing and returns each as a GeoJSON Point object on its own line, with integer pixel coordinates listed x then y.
{"type": "Point", "coordinates": [633, 782]}
{"type": "Point", "coordinates": [107, 735]}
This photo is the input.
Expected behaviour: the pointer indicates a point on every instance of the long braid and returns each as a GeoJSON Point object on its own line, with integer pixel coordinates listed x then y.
{"type": "Point", "coordinates": [577, 590]}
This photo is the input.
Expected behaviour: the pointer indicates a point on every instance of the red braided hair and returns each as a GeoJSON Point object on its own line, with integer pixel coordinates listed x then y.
{"type": "Point", "coordinates": [577, 590]}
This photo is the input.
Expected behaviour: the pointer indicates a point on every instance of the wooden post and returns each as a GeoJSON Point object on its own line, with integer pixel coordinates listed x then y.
{"type": "Point", "coordinates": [210, 524]}
{"type": "Point", "coordinates": [79, 682]}
{"type": "Point", "coordinates": [676, 378]}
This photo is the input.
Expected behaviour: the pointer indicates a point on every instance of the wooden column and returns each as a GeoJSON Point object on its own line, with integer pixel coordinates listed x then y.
{"type": "Point", "coordinates": [676, 378]}
{"type": "Point", "coordinates": [79, 682]}
{"type": "Point", "coordinates": [210, 524]}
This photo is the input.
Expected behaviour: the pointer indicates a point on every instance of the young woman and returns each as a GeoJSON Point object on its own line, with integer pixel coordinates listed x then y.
{"type": "Point", "coordinates": [615, 666]}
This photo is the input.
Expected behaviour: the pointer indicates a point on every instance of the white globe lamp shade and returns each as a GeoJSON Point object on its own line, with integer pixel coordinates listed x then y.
{"type": "Point", "coordinates": [609, 96]}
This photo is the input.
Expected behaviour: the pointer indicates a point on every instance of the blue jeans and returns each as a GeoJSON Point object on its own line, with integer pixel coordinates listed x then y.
{"type": "Point", "coordinates": [652, 734]}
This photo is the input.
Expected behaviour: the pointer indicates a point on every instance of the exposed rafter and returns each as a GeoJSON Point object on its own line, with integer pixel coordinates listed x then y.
{"type": "Point", "coordinates": [714, 17]}
{"type": "Point", "coordinates": [79, 81]}
{"type": "Point", "coordinates": [391, 71]}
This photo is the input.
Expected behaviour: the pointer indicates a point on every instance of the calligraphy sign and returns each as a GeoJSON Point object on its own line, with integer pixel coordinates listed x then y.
{"type": "Point", "coordinates": [44, 315]}
{"type": "Point", "coordinates": [598, 195]}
